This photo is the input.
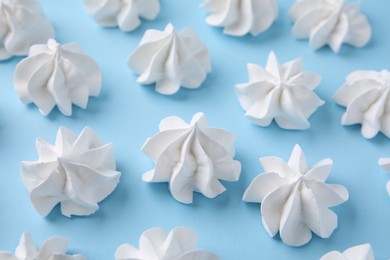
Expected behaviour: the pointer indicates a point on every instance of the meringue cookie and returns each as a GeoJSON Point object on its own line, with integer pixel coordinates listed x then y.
{"type": "Point", "coordinates": [239, 17]}
{"type": "Point", "coordinates": [360, 252]}
{"type": "Point", "coordinates": [126, 14]}
{"type": "Point", "coordinates": [52, 249]}
{"type": "Point", "coordinates": [170, 59]}
{"type": "Point", "coordinates": [54, 75]}
{"type": "Point", "coordinates": [191, 157]}
{"type": "Point", "coordinates": [156, 244]}
{"type": "Point", "coordinates": [330, 22]}
{"type": "Point", "coordinates": [365, 94]}
{"type": "Point", "coordinates": [77, 172]}
{"type": "Point", "coordinates": [385, 164]}
{"type": "Point", "coordinates": [280, 92]}
{"type": "Point", "coordinates": [295, 198]}
{"type": "Point", "coordinates": [22, 24]}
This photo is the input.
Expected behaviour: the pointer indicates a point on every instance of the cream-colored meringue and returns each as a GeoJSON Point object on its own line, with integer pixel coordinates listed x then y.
{"type": "Point", "coordinates": [360, 252]}
{"type": "Point", "coordinates": [330, 22]}
{"type": "Point", "coordinates": [191, 157]}
{"type": "Point", "coordinates": [57, 75]}
{"type": "Point", "coordinates": [283, 93]}
{"type": "Point", "coordinates": [22, 24]}
{"type": "Point", "coordinates": [52, 249]}
{"type": "Point", "coordinates": [126, 14]}
{"type": "Point", "coordinates": [385, 163]}
{"type": "Point", "coordinates": [295, 198]}
{"type": "Point", "coordinates": [77, 172]}
{"type": "Point", "coordinates": [239, 17]}
{"type": "Point", "coordinates": [170, 59]}
{"type": "Point", "coordinates": [156, 244]}
{"type": "Point", "coordinates": [365, 94]}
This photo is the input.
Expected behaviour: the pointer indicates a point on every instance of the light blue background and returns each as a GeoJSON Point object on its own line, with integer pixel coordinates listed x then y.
{"type": "Point", "coordinates": [126, 114]}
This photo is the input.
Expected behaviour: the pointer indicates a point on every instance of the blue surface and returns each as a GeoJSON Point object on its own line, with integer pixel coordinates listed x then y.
{"type": "Point", "coordinates": [126, 114]}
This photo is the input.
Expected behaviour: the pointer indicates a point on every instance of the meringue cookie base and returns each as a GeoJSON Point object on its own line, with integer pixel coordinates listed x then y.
{"type": "Point", "coordinates": [126, 113]}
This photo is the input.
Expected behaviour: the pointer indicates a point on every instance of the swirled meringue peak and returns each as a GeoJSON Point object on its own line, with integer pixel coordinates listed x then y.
{"type": "Point", "coordinates": [57, 75]}
{"type": "Point", "coordinates": [52, 249]}
{"type": "Point", "coordinates": [156, 244]}
{"type": "Point", "coordinates": [170, 59]}
{"type": "Point", "coordinates": [22, 24]}
{"type": "Point", "coordinates": [239, 17]}
{"type": "Point", "coordinates": [126, 14]}
{"type": "Point", "coordinates": [283, 93]}
{"type": "Point", "coordinates": [191, 157]}
{"type": "Point", "coordinates": [295, 198]}
{"type": "Point", "coordinates": [360, 252]}
{"type": "Point", "coordinates": [366, 96]}
{"type": "Point", "coordinates": [77, 172]}
{"type": "Point", "coordinates": [385, 163]}
{"type": "Point", "coordinates": [330, 22]}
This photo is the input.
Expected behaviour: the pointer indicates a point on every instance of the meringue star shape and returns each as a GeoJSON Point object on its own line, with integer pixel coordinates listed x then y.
{"type": "Point", "coordinates": [330, 22]}
{"type": "Point", "coordinates": [239, 17]}
{"type": "Point", "coordinates": [77, 172]}
{"type": "Point", "coordinates": [126, 14]}
{"type": "Point", "coordinates": [57, 75]}
{"type": "Point", "coordinates": [360, 252]}
{"type": "Point", "coordinates": [280, 92]}
{"type": "Point", "coordinates": [365, 94]}
{"type": "Point", "coordinates": [156, 244]}
{"type": "Point", "coordinates": [191, 157]}
{"type": "Point", "coordinates": [385, 164]}
{"type": "Point", "coordinates": [170, 59]}
{"type": "Point", "coordinates": [22, 24]}
{"type": "Point", "coordinates": [295, 199]}
{"type": "Point", "coordinates": [52, 249]}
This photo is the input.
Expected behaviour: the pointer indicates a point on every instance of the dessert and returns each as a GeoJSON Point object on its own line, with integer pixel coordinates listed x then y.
{"type": "Point", "coordinates": [360, 252]}
{"type": "Point", "coordinates": [330, 22]}
{"type": "Point", "coordinates": [52, 249]}
{"type": "Point", "coordinates": [77, 172]}
{"type": "Point", "coordinates": [385, 164]}
{"type": "Point", "coordinates": [295, 199]}
{"type": "Point", "coordinates": [191, 157]}
{"type": "Point", "coordinates": [239, 17]}
{"type": "Point", "coordinates": [156, 244]}
{"type": "Point", "coordinates": [126, 14]}
{"type": "Point", "coordinates": [170, 59]}
{"type": "Point", "coordinates": [365, 94]}
{"type": "Point", "coordinates": [22, 24]}
{"type": "Point", "coordinates": [280, 92]}
{"type": "Point", "coordinates": [57, 75]}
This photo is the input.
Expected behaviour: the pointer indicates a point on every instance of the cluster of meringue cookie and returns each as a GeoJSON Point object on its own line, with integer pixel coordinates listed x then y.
{"type": "Point", "coordinates": [78, 172]}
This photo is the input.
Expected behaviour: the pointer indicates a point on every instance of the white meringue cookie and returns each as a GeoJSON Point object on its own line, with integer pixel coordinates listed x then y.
{"type": "Point", "coordinates": [365, 94]}
{"type": "Point", "coordinates": [156, 244]}
{"type": "Point", "coordinates": [22, 24]}
{"type": "Point", "coordinates": [191, 157]}
{"type": "Point", "coordinates": [239, 17]}
{"type": "Point", "coordinates": [77, 172]}
{"type": "Point", "coordinates": [360, 252]}
{"type": "Point", "coordinates": [283, 93]}
{"type": "Point", "coordinates": [52, 249]}
{"type": "Point", "coordinates": [385, 164]}
{"type": "Point", "coordinates": [57, 75]}
{"type": "Point", "coordinates": [295, 198]}
{"type": "Point", "coordinates": [126, 14]}
{"type": "Point", "coordinates": [170, 59]}
{"type": "Point", "coordinates": [330, 22]}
